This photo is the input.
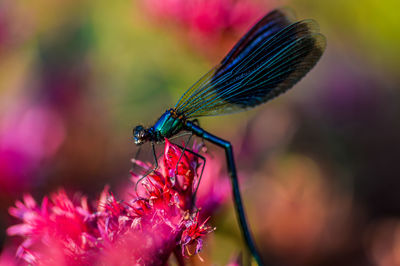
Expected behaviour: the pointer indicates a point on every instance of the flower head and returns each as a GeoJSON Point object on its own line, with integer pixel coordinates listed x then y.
{"type": "Point", "coordinates": [145, 229]}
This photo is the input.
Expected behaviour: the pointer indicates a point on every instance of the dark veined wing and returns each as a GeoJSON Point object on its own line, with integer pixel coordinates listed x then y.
{"type": "Point", "coordinates": [273, 56]}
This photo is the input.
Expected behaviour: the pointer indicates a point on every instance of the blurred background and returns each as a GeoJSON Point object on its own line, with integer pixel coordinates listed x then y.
{"type": "Point", "coordinates": [319, 165]}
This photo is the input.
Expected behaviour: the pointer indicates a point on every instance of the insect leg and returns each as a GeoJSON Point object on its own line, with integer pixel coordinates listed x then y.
{"type": "Point", "coordinates": [201, 172]}
{"type": "Point", "coordinates": [150, 171]}
{"type": "Point", "coordinates": [181, 135]}
{"type": "Point", "coordinates": [197, 123]}
{"type": "Point", "coordinates": [227, 146]}
{"type": "Point", "coordinates": [135, 158]}
{"type": "Point", "coordinates": [183, 151]}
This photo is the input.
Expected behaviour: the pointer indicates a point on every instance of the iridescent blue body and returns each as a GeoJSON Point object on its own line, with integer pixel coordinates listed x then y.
{"type": "Point", "coordinates": [166, 126]}
{"type": "Point", "coordinates": [267, 61]}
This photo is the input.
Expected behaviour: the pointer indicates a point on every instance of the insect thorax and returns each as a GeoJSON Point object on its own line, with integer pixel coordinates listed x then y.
{"type": "Point", "coordinates": [166, 126]}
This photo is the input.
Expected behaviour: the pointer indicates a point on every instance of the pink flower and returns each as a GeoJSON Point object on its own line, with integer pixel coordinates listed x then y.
{"type": "Point", "coordinates": [194, 233]}
{"type": "Point", "coordinates": [28, 136]}
{"type": "Point", "coordinates": [215, 187]}
{"type": "Point", "coordinates": [158, 220]}
{"type": "Point", "coordinates": [206, 21]}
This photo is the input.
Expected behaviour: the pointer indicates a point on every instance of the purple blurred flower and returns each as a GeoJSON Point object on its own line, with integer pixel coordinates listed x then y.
{"type": "Point", "coordinates": [156, 221]}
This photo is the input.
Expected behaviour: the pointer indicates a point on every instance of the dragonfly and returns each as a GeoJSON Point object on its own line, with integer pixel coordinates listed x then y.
{"type": "Point", "coordinates": [268, 60]}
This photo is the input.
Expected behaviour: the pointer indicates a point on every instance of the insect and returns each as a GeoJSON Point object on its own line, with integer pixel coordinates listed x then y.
{"type": "Point", "coordinates": [267, 61]}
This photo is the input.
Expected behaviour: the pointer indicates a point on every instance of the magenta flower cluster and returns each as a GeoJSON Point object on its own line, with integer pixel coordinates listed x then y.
{"type": "Point", "coordinates": [158, 220]}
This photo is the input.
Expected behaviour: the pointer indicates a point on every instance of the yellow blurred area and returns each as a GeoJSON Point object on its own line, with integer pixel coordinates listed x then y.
{"type": "Point", "coordinates": [371, 28]}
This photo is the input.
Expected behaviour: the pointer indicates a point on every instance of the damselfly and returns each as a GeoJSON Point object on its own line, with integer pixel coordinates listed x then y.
{"type": "Point", "coordinates": [268, 60]}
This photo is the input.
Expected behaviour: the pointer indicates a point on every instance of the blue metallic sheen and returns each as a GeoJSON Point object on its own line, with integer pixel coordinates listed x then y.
{"type": "Point", "coordinates": [166, 126]}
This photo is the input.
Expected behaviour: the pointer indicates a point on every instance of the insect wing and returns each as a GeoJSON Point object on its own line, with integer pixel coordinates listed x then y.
{"type": "Point", "coordinates": [273, 56]}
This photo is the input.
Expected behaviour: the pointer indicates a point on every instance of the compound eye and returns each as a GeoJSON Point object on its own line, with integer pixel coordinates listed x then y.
{"type": "Point", "coordinates": [139, 134]}
{"type": "Point", "coordinates": [137, 131]}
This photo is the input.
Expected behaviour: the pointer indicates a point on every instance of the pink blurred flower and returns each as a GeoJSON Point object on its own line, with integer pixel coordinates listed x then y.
{"type": "Point", "coordinates": [7, 258]}
{"type": "Point", "coordinates": [28, 135]}
{"type": "Point", "coordinates": [206, 21]}
{"type": "Point", "coordinates": [214, 189]}
{"type": "Point", "coordinates": [156, 221]}
{"type": "Point", "coordinates": [383, 242]}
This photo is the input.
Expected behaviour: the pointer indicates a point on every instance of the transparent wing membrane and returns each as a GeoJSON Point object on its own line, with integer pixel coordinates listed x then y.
{"type": "Point", "coordinates": [273, 56]}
